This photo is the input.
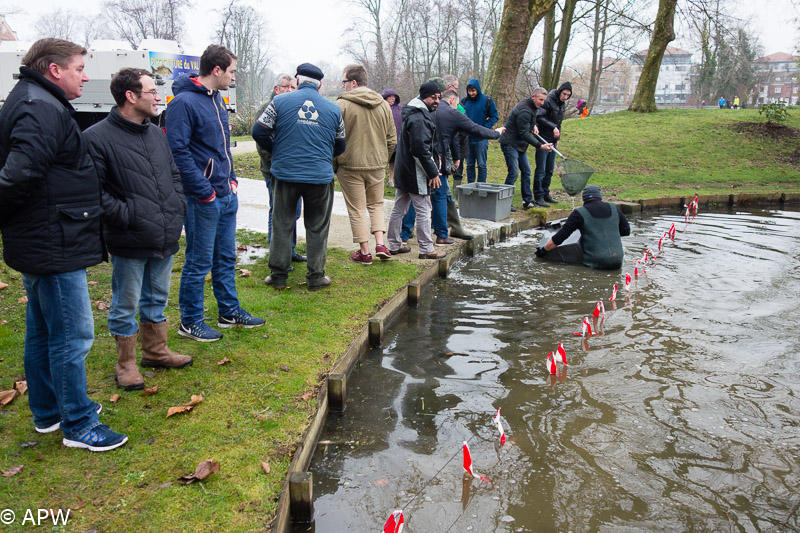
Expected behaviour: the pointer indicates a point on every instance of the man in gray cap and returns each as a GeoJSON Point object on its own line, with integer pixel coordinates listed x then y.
{"type": "Point", "coordinates": [601, 225]}
{"type": "Point", "coordinates": [303, 131]}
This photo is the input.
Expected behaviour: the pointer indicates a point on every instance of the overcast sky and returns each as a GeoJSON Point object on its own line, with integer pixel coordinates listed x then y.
{"type": "Point", "coordinates": [315, 30]}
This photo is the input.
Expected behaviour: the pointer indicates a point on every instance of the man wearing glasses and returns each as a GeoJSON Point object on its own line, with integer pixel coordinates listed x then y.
{"type": "Point", "coordinates": [144, 207]}
{"type": "Point", "coordinates": [284, 83]}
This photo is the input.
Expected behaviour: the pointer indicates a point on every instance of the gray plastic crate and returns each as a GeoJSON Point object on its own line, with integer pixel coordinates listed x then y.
{"type": "Point", "coordinates": [487, 201]}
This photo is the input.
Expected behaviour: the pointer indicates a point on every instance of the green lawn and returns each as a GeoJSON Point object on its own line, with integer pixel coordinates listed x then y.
{"type": "Point", "coordinates": [255, 408]}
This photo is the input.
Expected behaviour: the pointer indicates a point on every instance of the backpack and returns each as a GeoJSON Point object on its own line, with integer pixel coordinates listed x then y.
{"type": "Point", "coordinates": [488, 104]}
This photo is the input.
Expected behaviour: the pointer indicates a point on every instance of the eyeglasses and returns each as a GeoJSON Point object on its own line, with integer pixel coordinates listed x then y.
{"type": "Point", "coordinates": [154, 92]}
{"type": "Point", "coordinates": [344, 82]}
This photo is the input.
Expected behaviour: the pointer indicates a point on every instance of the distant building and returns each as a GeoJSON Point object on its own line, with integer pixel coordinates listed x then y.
{"type": "Point", "coordinates": [616, 85]}
{"type": "Point", "coordinates": [6, 33]}
{"type": "Point", "coordinates": [674, 77]}
{"type": "Point", "coordinates": [778, 78]}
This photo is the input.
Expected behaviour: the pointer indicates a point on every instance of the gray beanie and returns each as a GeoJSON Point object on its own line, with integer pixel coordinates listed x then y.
{"type": "Point", "coordinates": [592, 192]}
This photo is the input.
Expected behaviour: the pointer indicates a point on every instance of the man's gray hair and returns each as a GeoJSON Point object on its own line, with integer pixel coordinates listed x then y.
{"type": "Point", "coordinates": [282, 77]}
{"type": "Point", "coordinates": [305, 79]}
{"type": "Point", "coordinates": [539, 90]}
{"type": "Point", "coordinates": [449, 79]}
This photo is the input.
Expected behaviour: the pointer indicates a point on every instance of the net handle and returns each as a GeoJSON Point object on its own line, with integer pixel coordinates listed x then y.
{"type": "Point", "coordinates": [554, 148]}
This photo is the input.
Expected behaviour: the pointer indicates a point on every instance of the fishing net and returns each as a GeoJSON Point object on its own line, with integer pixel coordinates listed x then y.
{"type": "Point", "coordinates": [574, 175]}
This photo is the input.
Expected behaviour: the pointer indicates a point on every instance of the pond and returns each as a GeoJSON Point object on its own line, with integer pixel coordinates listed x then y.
{"type": "Point", "coordinates": [680, 414]}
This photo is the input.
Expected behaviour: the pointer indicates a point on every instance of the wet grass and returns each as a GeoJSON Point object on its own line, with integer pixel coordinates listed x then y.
{"type": "Point", "coordinates": [254, 409]}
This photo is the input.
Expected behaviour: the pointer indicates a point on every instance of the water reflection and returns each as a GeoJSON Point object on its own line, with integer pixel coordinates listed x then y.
{"type": "Point", "coordinates": [681, 413]}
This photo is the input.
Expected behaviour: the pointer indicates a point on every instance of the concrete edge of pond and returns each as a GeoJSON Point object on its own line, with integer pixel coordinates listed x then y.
{"type": "Point", "coordinates": [296, 499]}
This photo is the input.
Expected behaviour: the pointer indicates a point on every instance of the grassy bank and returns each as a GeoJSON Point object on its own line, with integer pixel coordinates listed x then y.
{"type": "Point", "coordinates": [256, 407]}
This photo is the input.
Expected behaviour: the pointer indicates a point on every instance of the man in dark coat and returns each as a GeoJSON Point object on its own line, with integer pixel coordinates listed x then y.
{"type": "Point", "coordinates": [548, 119]}
{"type": "Point", "coordinates": [416, 170]}
{"type": "Point", "coordinates": [601, 225]}
{"type": "Point", "coordinates": [50, 223]}
{"type": "Point", "coordinates": [144, 208]}
{"type": "Point", "coordinates": [519, 133]}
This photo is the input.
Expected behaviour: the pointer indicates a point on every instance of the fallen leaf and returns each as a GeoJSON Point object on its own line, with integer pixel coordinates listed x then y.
{"type": "Point", "coordinates": [93, 282]}
{"type": "Point", "coordinates": [256, 245]}
{"type": "Point", "coordinates": [3, 285]}
{"type": "Point", "coordinates": [149, 391]}
{"type": "Point", "coordinates": [13, 471]}
{"type": "Point", "coordinates": [114, 398]}
{"type": "Point", "coordinates": [149, 374]}
{"type": "Point", "coordinates": [208, 279]}
{"type": "Point", "coordinates": [381, 482]}
{"type": "Point", "coordinates": [245, 273]}
{"type": "Point", "coordinates": [266, 467]}
{"type": "Point", "coordinates": [179, 409]}
{"type": "Point", "coordinates": [4, 322]}
{"type": "Point", "coordinates": [196, 398]}
{"type": "Point", "coordinates": [7, 396]}
{"type": "Point", "coordinates": [224, 361]}
{"type": "Point", "coordinates": [21, 387]}
{"type": "Point", "coordinates": [101, 305]}
{"type": "Point", "coordinates": [242, 247]}
{"type": "Point", "coordinates": [22, 300]}
{"type": "Point", "coordinates": [165, 485]}
{"type": "Point", "coordinates": [29, 444]}
{"type": "Point", "coordinates": [284, 368]}
{"type": "Point", "coordinates": [203, 470]}
{"type": "Point", "coordinates": [307, 396]}
{"type": "Point", "coordinates": [98, 501]}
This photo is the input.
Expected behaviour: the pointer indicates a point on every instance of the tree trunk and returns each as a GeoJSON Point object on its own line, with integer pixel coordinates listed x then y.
{"type": "Point", "coordinates": [644, 99]}
{"type": "Point", "coordinates": [563, 42]}
{"type": "Point", "coordinates": [598, 49]}
{"type": "Point", "coordinates": [517, 23]}
{"type": "Point", "coordinates": [548, 44]}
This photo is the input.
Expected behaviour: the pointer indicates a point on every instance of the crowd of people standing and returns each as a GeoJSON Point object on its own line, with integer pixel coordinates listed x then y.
{"type": "Point", "coordinates": [125, 188]}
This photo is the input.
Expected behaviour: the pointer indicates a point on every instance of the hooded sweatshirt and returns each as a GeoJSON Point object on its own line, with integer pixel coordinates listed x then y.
{"type": "Point", "coordinates": [417, 149]}
{"type": "Point", "coordinates": [371, 134]}
{"type": "Point", "coordinates": [481, 109]}
{"type": "Point", "coordinates": [397, 110]}
{"type": "Point", "coordinates": [199, 137]}
{"type": "Point", "coordinates": [550, 115]}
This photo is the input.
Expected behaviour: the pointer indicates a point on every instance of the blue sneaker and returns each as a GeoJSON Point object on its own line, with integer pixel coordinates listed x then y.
{"type": "Point", "coordinates": [240, 318]}
{"type": "Point", "coordinates": [199, 331]}
{"type": "Point", "coordinates": [49, 429]}
{"type": "Point", "coordinates": [98, 439]}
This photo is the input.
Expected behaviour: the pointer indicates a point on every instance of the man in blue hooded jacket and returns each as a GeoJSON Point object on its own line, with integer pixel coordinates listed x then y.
{"type": "Point", "coordinates": [481, 110]}
{"type": "Point", "coordinates": [199, 137]}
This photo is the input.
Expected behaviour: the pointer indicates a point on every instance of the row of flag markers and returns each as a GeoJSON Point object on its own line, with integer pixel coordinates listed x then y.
{"type": "Point", "coordinates": [395, 523]}
{"type": "Point", "coordinates": [468, 464]}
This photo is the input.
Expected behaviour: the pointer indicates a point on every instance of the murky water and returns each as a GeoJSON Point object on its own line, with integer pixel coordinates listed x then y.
{"type": "Point", "coordinates": [681, 415]}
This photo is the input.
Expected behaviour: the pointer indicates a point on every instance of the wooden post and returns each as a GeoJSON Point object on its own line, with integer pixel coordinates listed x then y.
{"type": "Point", "coordinates": [471, 248]}
{"type": "Point", "coordinates": [337, 391]}
{"type": "Point", "coordinates": [375, 332]}
{"type": "Point", "coordinates": [444, 267]}
{"type": "Point", "coordinates": [413, 294]}
{"type": "Point", "coordinates": [301, 498]}
{"type": "Point", "coordinates": [503, 233]}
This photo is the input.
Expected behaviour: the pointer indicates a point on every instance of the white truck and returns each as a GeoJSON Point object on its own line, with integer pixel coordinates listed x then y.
{"type": "Point", "coordinates": [163, 58]}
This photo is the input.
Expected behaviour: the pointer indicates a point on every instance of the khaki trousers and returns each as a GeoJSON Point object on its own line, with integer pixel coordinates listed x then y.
{"type": "Point", "coordinates": [363, 194]}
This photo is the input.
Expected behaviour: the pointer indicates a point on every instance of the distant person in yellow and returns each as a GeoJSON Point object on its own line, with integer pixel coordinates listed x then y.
{"type": "Point", "coordinates": [736, 102]}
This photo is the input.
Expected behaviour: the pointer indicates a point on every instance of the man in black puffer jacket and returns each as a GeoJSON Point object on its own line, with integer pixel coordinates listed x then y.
{"type": "Point", "coordinates": [50, 222]}
{"type": "Point", "coordinates": [144, 208]}
{"type": "Point", "coordinates": [548, 119]}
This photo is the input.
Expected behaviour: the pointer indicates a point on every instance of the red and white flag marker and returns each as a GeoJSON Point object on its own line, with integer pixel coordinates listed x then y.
{"type": "Point", "coordinates": [551, 363]}
{"type": "Point", "coordinates": [599, 309]}
{"type": "Point", "coordinates": [500, 427]}
{"type": "Point", "coordinates": [627, 281]}
{"type": "Point", "coordinates": [560, 351]}
{"type": "Point", "coordinates": [671, 232]}
{"type": "Point", "coordinates": [468, 464]}
{"type": "Point", "coordinates": [613, 294]}
{"type": "Point", "coordinates": [395, 523]}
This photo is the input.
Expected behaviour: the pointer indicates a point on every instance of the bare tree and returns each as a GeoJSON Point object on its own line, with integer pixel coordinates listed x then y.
{"type": "Point", "coordinates": [519, 19]}
{"type": "Point", "coordinates": [554, 48]}
{"type": "Point", "coordinates": [134, 20]}
{"type": "Point", "coordinates": [242, 29]}
{"type": "Point", "coordinates": [644, 99]}
{"type": "Point", "coordinates": [61, 24]}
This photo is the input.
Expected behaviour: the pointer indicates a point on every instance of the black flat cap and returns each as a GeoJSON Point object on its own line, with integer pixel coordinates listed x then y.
{"type": "Point", "coordinates": [309, 70]}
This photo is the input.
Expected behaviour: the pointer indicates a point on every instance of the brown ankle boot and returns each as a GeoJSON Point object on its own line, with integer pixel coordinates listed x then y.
{"type": "Point", "coordinates": [128, 376]}
{"type": "Point", "coordinates": [154, 347]}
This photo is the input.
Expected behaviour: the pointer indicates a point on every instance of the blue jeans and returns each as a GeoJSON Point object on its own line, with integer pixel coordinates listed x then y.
{"type": "Point", "coordinates": [210, 245]}
{"type": "Point", "coordinates": [439, 199]}
{"type": "Point", "coordinates": [517, 161]}
{"type": "Point", "coordinates": [59, 331]}
{"type": "Point", "coordinates": [545, 161]}
{"type": "Point", "coordinates": [142, 282]}
{"type": "Point", "coordinates": [477, 152]}
{"type": "Point", "coordinates": [296, 216]}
